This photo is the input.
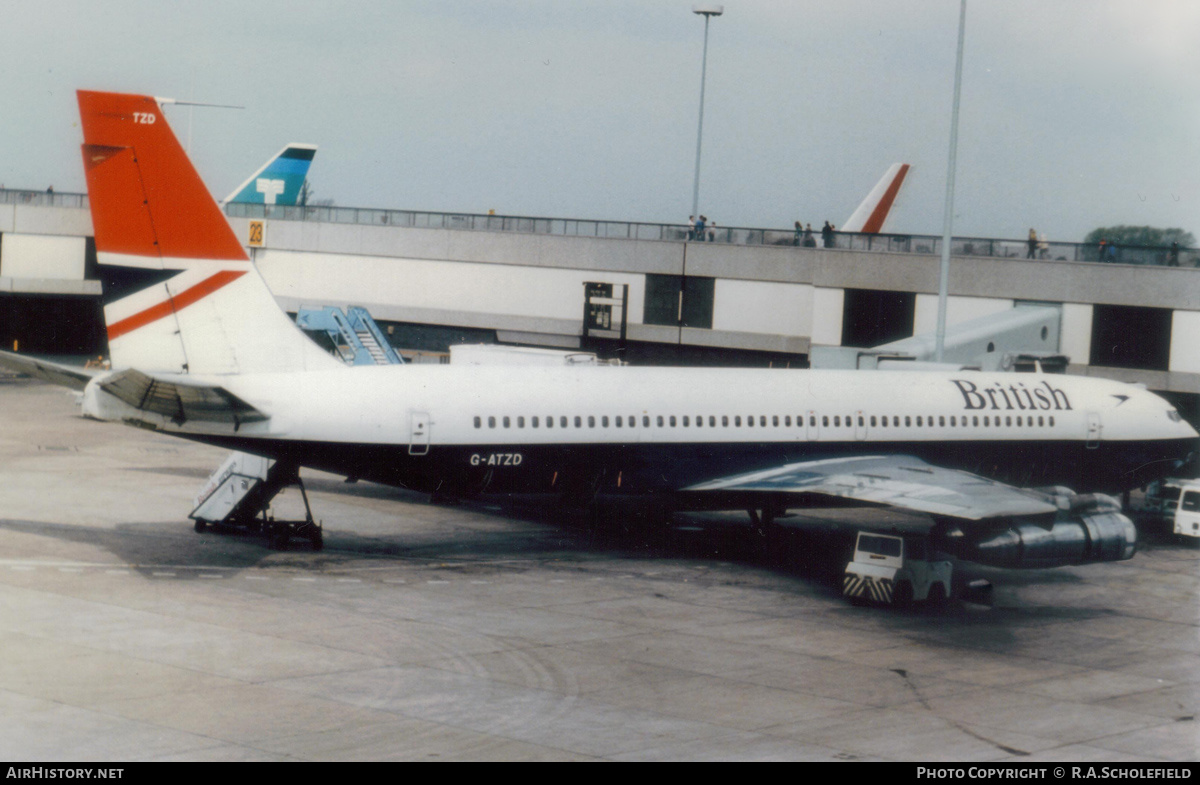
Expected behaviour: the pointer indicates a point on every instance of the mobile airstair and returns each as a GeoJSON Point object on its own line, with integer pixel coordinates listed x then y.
{"type": "Point", "coordinates": [355, 335]}
{"type": "Point", "coordinates": [238, 496]}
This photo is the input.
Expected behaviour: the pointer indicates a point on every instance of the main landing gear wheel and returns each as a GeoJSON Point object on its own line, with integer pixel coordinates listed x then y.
{"type": "Point", "coordinates": [766, 531]}
{"type": "Point", "coordinates": [200, 526]}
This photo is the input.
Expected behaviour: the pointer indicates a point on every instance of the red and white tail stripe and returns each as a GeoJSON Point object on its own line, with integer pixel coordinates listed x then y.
{"type": "Point", "coordinates": [873, 212]}
{"type": "Point", "coordinates": [150, 209]}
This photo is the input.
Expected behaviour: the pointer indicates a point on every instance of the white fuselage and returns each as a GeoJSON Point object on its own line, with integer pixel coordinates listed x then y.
{"type": "Point", "coordinates": [447, 414]}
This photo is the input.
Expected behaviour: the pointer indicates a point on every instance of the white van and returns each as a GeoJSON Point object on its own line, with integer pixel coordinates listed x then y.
{"type": "Point", "coordinates": [1173, 500]}
{"type": "Point", "coordinates": [1187, 516]}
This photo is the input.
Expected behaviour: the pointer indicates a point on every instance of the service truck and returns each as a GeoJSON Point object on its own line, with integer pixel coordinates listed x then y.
{"type": "Point", "coordinates": [1176, 501]}
{"type": "Point", "coordinates": [895, 569]}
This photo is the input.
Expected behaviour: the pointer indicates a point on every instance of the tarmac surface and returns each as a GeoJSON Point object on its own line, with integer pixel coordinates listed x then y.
{"type": "Point", "coordinates": [427, 632]}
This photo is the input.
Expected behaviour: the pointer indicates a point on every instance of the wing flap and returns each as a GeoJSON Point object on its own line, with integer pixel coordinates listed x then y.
{"type": "Point", "coordinates": [894, 480]}
{"type": "Point", "coordinates": [180, 402]}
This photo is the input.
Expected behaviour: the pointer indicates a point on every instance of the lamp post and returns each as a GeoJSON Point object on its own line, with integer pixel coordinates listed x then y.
{"type": "Point", "coordinates": [948, 221]}
{"type": "Point", "coordinates": [707, 11]}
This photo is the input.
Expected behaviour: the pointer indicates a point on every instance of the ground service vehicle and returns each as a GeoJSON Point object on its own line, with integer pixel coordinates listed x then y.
{"type": "Point", "coordinates": [896, 570]}
{"type": "Point", "coordinates": [1176, 501]}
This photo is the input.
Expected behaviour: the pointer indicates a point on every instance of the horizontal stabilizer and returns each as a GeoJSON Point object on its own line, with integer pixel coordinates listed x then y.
{"type": "Point", "coordinates": [56, 373]}
{"type": "Point", "coordinates": [180, 402]}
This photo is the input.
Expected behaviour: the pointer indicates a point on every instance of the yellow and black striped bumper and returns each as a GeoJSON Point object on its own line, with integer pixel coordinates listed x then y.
{"type": "Point", "coordinates": [877, 589]}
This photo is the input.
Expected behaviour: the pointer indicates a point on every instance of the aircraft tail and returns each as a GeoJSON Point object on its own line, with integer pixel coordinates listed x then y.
{"type": "Point", "coordinates": [280, 180]}
{"type": "Point", "coordinates": [873, 212]}
{"type": "Point", "coordinates": [150, 209]}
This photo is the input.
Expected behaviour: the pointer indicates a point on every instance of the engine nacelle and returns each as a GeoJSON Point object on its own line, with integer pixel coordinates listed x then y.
{"type": "Point", "coordinates": [1087, 528]}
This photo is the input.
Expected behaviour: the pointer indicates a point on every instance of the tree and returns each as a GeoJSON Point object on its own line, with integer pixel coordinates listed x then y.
{"type": "Point", "coordinates": [1140, 236]}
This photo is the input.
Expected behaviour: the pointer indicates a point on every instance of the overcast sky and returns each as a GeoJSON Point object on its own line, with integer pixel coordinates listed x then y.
{"type": "Point", "coordinates": [1075, 114]}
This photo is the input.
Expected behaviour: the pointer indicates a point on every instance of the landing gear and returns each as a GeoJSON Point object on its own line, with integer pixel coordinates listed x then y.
{"type": "Point", "coordinates": [766, 530]}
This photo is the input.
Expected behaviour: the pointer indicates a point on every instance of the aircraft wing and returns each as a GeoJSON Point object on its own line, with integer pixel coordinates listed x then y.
{"type": "Point", "coordinates": [181, 402]}
{"type": "Point", "coordinates": [71, 376]}
{"type": "Point", "coordinates": [895, 480]}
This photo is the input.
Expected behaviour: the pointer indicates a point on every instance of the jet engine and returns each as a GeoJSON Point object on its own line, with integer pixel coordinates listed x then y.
{"type": "Point", "coordinates": [1087, 528]}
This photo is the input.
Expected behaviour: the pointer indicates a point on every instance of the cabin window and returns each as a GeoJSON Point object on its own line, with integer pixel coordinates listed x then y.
{"type": "Point", "coordinates": [578, 421]}
{"type": "Point", "coordinates": [1052, 421]}
{"type": "Point", "coordinates": [685, 421]}
{"type": "Point", "coordinates": [535, 422]}
{"type": "Point", "coordinates": [671, 420]}
{"type": "Point", "coordinates": [737, 420]}
{"type": "Point", "coordinates": [604, 422]}
{"type": "Point", "coordinates": [787, 421]}
{"type": "Point", "coordinates": [632, 421]}
{"type": "Point", "coordinates": [724, 420]}
{"type": "Point", "coordinates": [712, 421]}
{"type": "Point", "coordinates": [507, 422]}
{"type": "Point", "coordinates": [491, 422]}
{"type": "Point", "coordinates": [872, 421]}
{"type": "Point", "coordinates": [907, 421]}
{"type": "Point", "coordinates": [919, 422]}
{"type": "Point", "coordinates": [953, 421]}
{"type": "Point", "coordinates": [812, 421]}
{"type": "Point", "coordinates": [861, 422]}
{"type": "Point", "coordinates": [824, 420]}
{"type": "Point", "coordinates": [562, 422]}
{"type": "Point", "coordinates": [660, 421]}
{"type": "Point", "coordinates": [837, 421]}
{"type": "Point", "coordinates": [478, 422]}
{"type": "Point", "coordinates": [618, 421]}
{"type": "Point", "coordinates": [1041, 421]}
{"type": "Point", "coordinates": [699, 422]}
{"type": "Point", "coordinates": [750, 421]}
{"type": "Point", "coordinates": [549, 422]}
{"type": "Point", "coordinates": [646, 421]}
{"type": "Point", "coordinates": [520, 422]}
{"type": "Point", "coordinates": [591, 421]}
{"type": "Point", "coordinates": [942, 421]}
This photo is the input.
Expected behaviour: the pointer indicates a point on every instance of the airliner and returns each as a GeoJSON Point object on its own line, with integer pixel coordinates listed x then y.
{"type": "Point", "coordinates": [208, 355]}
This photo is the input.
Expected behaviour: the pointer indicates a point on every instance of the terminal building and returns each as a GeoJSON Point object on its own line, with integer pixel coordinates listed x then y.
{"type": "Point", "coordinates": [643, 293]}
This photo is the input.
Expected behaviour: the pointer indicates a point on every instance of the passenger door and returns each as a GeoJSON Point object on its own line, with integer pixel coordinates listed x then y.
{"type": "Point", "coordinates": [1094, 430]}
{"type": "Point", "coordinates": [418, 442]}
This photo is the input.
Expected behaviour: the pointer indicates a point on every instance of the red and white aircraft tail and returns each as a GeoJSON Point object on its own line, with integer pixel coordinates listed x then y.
{"type": "Point", "coordinates": [871, 215]}
{"type": "Point", "coordinates": [150, 209]}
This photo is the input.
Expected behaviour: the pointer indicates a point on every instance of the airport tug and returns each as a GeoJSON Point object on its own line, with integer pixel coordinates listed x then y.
{"type": "Point", "coordinates": [895, 570]}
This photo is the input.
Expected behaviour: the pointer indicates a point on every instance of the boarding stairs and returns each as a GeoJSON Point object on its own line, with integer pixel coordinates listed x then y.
{"type": "Point", "coordinates": [239, 493]}
{"type": "Point", "coordinates": [354, 334]}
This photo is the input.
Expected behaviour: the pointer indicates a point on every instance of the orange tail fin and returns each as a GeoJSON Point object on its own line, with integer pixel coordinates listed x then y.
{"type": "Point", "coordinates": [149, 206]}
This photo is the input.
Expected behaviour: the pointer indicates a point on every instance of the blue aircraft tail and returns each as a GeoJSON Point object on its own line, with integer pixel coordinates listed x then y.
{"type": "Point", "coordinates": [280, 180]}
